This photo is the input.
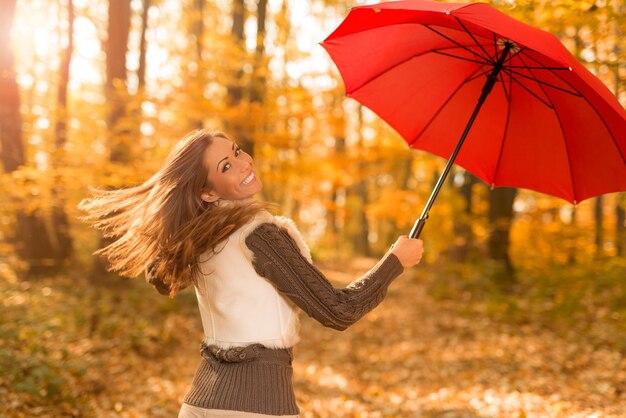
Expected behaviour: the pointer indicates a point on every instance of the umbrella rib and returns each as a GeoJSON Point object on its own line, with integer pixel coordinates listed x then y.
{"type": "Point", "coordinates": [400, 63]}
{"type": "Point", "coordinates": [556, 74]}
{"type": "Point", "coordinates": [495, 42]}
{"type": "Point", "coordinates": [508, 94]}
{"type": "Point", "coordinates": [513, 72]}
{"type": "Point", "coordinates": [594, 109]}
{"type": "Point", "coordinates": [479, 74]}
{"type": "Point", "coordinates": [473, 38]}
{"type": "Point", "coordinates": [530, 91]}
{"type": "Point", "coordinates": [619, 150]}
{"type": "Point", "coordinates": [506, 129]}
{"type": "Point", "coordinates": [457, 43]}
{"type": "Point", "coordinates": [437, 51]}
{"type": "Point", "coordinates": [569, 158]}
{"type": "Point", "coordinates": [443, 105]}
{"type": "Point", "coordinates": [539, 68]}
{"type": "Point", "coordinates": [556, 113]}
{"type": "Point", "coordinates": [538, 83]}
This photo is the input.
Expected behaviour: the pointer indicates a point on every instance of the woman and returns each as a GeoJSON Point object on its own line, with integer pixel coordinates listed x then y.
{"type": "Point", "coordinates": [195, 223]}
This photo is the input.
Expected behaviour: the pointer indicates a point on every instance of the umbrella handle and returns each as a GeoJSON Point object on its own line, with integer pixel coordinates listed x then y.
{"type": "Point", "coordinates": [417, 228]}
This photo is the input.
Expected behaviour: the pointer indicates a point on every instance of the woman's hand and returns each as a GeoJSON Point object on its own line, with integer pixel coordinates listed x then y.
{"type": "Point", "coordinates": [408, 250]}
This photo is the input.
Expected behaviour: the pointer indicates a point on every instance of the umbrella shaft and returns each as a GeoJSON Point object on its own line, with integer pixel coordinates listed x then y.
{"type": "Point", "coordinates": [489, 83]}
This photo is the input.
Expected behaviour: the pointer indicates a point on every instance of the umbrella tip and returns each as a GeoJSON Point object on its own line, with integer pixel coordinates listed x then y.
{"type": "Point", "coordinates": [492, 186]}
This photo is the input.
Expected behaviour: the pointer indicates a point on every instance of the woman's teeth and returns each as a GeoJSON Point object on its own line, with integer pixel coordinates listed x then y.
{"type": "Point", "coordinates": [248, 179]}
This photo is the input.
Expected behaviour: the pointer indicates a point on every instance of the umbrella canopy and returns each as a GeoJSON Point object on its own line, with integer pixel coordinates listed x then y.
{"type": "Point", "coordinates": [548, 124]}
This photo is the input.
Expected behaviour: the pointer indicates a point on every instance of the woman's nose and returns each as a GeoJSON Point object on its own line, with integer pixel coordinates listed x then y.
{"type": "Point", "coordinates": [245, 165]}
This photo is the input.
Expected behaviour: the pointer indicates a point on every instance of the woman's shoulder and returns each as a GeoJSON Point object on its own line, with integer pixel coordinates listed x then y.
{"type": "Point", "coordinates": [260, 223]}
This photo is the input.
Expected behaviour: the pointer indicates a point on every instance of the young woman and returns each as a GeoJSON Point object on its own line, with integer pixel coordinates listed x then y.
{"type": "Point", "coordinates": [195, 222]}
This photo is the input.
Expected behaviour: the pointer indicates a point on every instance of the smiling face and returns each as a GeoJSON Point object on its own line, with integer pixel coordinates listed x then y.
{"type": "Point", "coordinates": [231, 172]}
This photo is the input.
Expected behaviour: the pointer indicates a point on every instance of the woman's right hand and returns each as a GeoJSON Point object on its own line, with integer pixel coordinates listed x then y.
{"type": "Point", "coordinates": [408, 250]}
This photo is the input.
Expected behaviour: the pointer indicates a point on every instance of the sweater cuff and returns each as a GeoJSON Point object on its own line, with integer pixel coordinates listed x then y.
{"type": "Point", "coordinates": [389, 267]}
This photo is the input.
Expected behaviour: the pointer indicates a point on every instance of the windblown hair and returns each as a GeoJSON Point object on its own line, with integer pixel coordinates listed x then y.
{"type": "Point", "coordinates": [162, 226]}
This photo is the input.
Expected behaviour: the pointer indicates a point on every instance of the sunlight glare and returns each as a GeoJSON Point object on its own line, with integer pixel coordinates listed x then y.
{"type": "Point", "coordinates": [148, 108]}
{"type": "Point", "coordinates": [84, 68]}
{"type": "Point", "coordinates": [42, 123]}
{"type": "Point", "coordinates": [42, 42]}
{"type": "Point", "coordinates": [35, 139]}
{"type": "Point", "coordinates": [41, 86]}
{"type": "Point", "coordinates": [41, 160]}
{"type": "Point", "coordinates": [147, 129]}
{"type": "Point", "coordinates": [39, 110]}
{"type": "Point", "coordinates": [86, 37]}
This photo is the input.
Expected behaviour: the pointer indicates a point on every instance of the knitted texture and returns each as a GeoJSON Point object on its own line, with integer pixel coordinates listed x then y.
{"type": "Point", "coordinates": [278, 259]}
{"type": "Point", "coordinates": [251, 379]}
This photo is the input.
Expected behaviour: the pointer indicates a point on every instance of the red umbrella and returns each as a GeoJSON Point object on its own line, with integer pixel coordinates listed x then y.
{"type": "Point", "coordinates": [427, 68]}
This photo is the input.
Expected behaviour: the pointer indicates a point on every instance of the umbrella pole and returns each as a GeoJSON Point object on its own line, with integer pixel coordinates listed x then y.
{"type": "Point", "coordinates": [489, 83]}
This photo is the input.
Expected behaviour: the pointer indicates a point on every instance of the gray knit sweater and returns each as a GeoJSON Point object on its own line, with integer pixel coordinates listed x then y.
{"type": "Point", "coordinates": [257, 379]}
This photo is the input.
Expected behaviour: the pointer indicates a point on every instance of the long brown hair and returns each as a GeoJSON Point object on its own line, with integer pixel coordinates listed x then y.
{"type": "Point", "coordinates": [163, 225]}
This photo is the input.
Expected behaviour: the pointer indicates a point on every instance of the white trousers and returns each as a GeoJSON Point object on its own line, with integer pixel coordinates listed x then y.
{"type": "Point", "coordinates": [190, 411]}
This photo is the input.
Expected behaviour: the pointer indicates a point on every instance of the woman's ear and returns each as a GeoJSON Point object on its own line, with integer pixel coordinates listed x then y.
{"type": "Point", "coordinates": [209, 196]}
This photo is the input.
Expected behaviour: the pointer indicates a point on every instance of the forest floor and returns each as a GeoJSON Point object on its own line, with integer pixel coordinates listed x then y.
{"type": "Point", "coordinates": [72, 349]}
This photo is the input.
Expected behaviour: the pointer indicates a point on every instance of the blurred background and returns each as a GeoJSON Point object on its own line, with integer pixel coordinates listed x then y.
{"type": "Point", "coordinates": [96, 92]}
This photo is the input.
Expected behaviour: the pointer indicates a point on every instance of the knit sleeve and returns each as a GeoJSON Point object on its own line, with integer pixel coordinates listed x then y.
{"type": "Point", "coordinates": [278, 259]}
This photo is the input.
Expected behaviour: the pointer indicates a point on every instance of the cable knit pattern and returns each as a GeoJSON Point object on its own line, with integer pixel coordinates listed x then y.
{"type": "Point", "coordinates": [277, 258]}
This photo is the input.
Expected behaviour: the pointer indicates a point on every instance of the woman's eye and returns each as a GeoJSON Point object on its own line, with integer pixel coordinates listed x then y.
{"type": "Point", "coordinates": [237, 152]}
{"type": "Point", "coordinates": [225, 167]}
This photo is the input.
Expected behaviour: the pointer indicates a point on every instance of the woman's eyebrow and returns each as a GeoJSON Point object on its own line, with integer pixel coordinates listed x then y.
{"type": "Point", "coordinates": [225, 158]}
{"type": "Point", "coordinates": [220, 162]}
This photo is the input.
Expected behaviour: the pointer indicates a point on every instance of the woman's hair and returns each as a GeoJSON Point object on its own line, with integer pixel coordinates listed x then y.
{"type": "Point", "coordinates": [163, 226]}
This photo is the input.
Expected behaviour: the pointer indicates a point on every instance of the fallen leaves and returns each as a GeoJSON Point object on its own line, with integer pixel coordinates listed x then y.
{"type": "Point", "coordinates": [122, 350]}
{"type": "Point", "coordinates": [414, 356]}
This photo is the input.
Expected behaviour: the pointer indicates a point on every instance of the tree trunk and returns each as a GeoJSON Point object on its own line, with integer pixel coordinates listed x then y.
{"type": "Point", "coordinates": [339, 192]}
{"type": "Point", "coordinates": [116, 93]}
{"type": "Point", "coordinates": [361, 238]}
{"type": "Point", "coordinates": [599, 226]}
{"type": "Point", "coordinates": [500, 220]}
{"type": "Point", "coordinates": [62, 238]}
{"type": "Point", "coordinates": [235, 90]}
{"type": "Point", "coordinates": [462, 224]}
{"type": "Point", "coordinates": [620, 224]}
{"type": "Point", "coordinates": [134, 110]}
{"type": "Point", "coordinates": [10, 117]}
{"type": "Point", "coordinates": [620, 201]}
{"type": "Point", "coordinates": [196, 75]}
{"type": "Point", "coordinates": [30, 236]}
{"type": "Point", "coordinates": [115, 88]}
{"type": "Point", "coordinates": [143, 46]}
{"type": "Point", "coordinates": [257, 87]}
{"type": "Point", "coordinates": [572, 250]}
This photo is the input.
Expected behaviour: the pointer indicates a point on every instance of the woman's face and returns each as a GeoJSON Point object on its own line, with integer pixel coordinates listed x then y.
{"type": "Point", "coordinates": [231, 172]}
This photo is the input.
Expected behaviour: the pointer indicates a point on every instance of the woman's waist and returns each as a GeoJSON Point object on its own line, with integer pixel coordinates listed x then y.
{"type": "Point", "coordinates": [252, 353]}
{"type": "Point", "coordinates": [251, 378]}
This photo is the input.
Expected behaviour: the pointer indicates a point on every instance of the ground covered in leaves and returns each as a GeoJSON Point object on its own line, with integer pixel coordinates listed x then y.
{"type": "Point", "coordinates": [69, 348]}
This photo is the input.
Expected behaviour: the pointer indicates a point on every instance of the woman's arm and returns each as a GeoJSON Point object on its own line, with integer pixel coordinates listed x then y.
{"type": "Point", "coordinates": [278, 259]}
